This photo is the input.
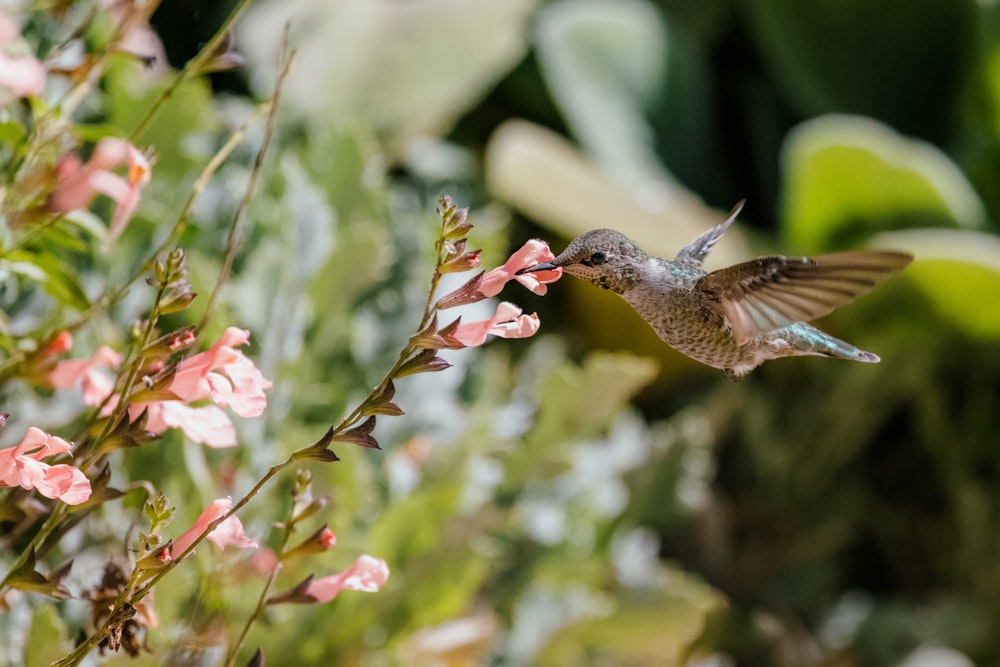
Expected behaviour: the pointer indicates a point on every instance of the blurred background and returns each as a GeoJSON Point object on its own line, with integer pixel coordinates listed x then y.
{"type": "Point", "coordinates": [589, 496]}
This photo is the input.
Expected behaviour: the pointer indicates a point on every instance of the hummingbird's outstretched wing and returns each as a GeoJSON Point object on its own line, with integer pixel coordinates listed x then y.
{"type": "Point", "coordinates": [693, 253]}
{"type": "Point", "coordinates": [768, 293]}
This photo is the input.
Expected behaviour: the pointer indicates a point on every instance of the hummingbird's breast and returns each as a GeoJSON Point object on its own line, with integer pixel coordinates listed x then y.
{"type": "Point", "coordinates": [684, 318]}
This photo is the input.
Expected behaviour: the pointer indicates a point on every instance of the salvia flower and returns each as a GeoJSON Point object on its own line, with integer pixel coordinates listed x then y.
{"type": "Point", "coordinates": [530, 254]}
{"type": "Point", "coordinates": [229, 533]}
{"type": "Point", "coordinates": [221, 374]}
{"type": "Point", "coordinates": [22, 75]}
{"type": "Point", "coordinates": [368, 574]}
{"type": "Point", "coordinates": [88, 373]}
{"type": "Point", "coordinates": [78, 183]}
{"type": "Point", "coordinates": [22, 466]}
{"type": "Point", "coordinates": [507, 322]}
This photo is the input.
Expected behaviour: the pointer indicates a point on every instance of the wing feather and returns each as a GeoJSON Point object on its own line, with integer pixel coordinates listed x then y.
{"type": "Point", "coordinates": [768, 293]}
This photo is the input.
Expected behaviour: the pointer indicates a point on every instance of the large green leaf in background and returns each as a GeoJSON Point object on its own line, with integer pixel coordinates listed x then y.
{"type": "Point", "coordinates": [633, 87]}
{"type": "Point", "coordinates": [959, 273]}
{"type": "Point", "coordinates": [847, 177]}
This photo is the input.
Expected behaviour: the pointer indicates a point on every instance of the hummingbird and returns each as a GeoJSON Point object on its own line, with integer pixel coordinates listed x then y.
{"type": "Point", "coordinates": [735, 318]}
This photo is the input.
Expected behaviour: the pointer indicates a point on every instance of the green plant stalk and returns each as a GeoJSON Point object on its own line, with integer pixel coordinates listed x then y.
{"type": "Point", "coordinates": [236, 231]}
{"type": "Point", "coordinates": [407, 351]}
{"type": "Point", "coordinates": [262, 600]}
{"type": "Point", "coordinates": [193, 68]}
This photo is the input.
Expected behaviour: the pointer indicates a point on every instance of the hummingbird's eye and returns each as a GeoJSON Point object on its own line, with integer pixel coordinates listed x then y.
{"type": "Point", "coordinates": [598, 258]}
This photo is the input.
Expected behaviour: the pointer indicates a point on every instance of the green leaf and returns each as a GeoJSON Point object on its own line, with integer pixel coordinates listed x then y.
{"type": "Point", "coordinates": [958, 271]}
{"type": "Point", "coordinates": [89, 223]}
{"type": "Point", "coordinates": [55, 277]}
{"type": "Point", "coordinates": [574, 401]}
{"type": "Point", "coordinates": [847, 177]}
{"type": "Point", "coordinates": [12, 132]}
{"type": "Point", "coordinates": [46, 642]}
{"type": "Point", "coordinates": [446, 56]}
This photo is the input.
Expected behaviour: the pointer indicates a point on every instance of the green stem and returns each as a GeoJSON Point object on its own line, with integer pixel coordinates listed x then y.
{"type": "Point", "coordinates": [262, 599]}
{"type": "Point", "coordinates": [194, 67]}
{"type": "Point", "coordinates": [236, 231]}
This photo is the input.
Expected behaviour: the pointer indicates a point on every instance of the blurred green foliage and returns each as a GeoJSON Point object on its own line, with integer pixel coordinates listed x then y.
{"type": "Point", "coordinates": [588, 497]}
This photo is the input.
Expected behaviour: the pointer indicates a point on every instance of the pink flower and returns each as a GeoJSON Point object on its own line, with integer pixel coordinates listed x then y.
{"type": "Point", "coordinates": [61, 342]}
{"type": "Point", "coordinates": [22, 465]}
{"type": "Point", "coordinates": [229, 533]}
{"type": "Point", "coordinates": [507, 322]}
{"type": "Point", "coordinates": [79, 183]}
{"type": "Point", "coordinates": [225, 375]}
{"type": "Point", "coordinates": [367, 574]}
{"type": "Point", "coordinates": [222, 374]}
{"type": "Point", "coordinates": [531, 253]}
{"type": "Point", "coordinates": [327, 538]}
{"type": "Point", "coordinates": [22, 75]}
{"type": "Point", "coordinates": [206, 425]}
{"type": "Point", "coordinates": [96, 385]}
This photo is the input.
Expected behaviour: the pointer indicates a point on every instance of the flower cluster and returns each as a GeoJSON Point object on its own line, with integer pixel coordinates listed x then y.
{"type": "Point", "coordinates": [221, 374]}
{"type": "Point", "coordinates": [22, 466]}
{"type": "Point", "coordinates": [78, 183]}
{"type": "Point", "coordinates": [508, 321]}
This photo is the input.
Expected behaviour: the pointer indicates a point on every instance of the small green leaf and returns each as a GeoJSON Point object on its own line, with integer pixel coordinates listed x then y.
{"type": "Point", "coordinates": [54, 276]}
{"type": "Point", "coordinates": [12, 132]}
{"type": "Point", "coordinates": [47, 640]}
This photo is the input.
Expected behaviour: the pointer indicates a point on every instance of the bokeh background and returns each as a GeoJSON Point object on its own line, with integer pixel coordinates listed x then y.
{"type": "Point", "coordinates": [589, 496]}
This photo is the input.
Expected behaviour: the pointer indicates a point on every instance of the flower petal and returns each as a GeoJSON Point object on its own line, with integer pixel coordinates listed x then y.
{"type": "Point", "coordinates": [530, 254]}
{"type": "Point", "coordinates": [507, 322]}
{"type": "Point", "coordinates": [368, 574]}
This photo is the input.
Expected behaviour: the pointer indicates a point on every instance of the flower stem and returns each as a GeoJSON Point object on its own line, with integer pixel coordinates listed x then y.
{"type": "Point", "coordinates": [262, 599]}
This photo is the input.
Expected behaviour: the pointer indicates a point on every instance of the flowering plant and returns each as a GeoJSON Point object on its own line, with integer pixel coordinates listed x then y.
{"type": "Point", "coordinates": [132, 395]}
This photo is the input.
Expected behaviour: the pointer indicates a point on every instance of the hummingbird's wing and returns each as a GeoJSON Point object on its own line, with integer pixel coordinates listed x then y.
{"type": "Point", "coordinates": [693, 253]}
{"type": "Point", "coordinates": [768, 293]}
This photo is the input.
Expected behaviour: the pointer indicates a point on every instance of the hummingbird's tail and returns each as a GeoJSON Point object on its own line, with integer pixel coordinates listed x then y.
{"type": "Point", "coordinates": [806, 339]}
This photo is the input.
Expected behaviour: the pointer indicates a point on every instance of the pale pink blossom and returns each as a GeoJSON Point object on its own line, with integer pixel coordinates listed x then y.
{"type": "Point", "coordinates": [224, 375]}
{"type": "Point", "coordinates": [205, 425]}
{"type": "Point", "coordinates": [229, 533]}
{"type": "Point", "coordinates": [265, 561]}
{"type": "Point", "coordinates": [23, 75]}
{"type": "Point", "coordinates": [368, 574]}
{"type": "Point", "coordinates": [22, 465]}
{"type": "Point", "coordinates": [79, 183]}
{"type": "Point", "coordinates": [97, 385]}
{"type": "Point", "coordinates": [530, 254]}
{"type": "Point", "coordinates": [507, 322]}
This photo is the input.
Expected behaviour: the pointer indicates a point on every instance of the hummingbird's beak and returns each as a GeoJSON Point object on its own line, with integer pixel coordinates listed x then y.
{"type": "Point", "coordinates": [544, 266]}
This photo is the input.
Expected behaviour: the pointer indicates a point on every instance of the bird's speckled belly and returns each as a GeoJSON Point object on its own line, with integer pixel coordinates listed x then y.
{"type": "Point", "coordinates": [692, 328]}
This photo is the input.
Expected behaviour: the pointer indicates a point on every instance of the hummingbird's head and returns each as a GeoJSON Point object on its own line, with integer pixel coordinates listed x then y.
{"type": "Point", "coordinates": [603, 257]}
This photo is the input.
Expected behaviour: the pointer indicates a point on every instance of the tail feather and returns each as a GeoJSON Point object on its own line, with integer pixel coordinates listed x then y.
{"type": "Point", "coordinates": [807, 339]}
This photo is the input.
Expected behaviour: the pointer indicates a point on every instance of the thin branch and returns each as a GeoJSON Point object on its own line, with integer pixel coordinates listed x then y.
{"type": "Point", "coordinates": [236, 231]}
